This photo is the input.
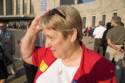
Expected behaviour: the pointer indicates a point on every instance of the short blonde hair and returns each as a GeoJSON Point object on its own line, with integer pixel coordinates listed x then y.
{"type": "Point", "coordinates": [63, 19]}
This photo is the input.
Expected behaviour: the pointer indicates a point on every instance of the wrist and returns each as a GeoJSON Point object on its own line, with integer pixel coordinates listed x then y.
{"type": "Point", "coordinates": [32, 31]}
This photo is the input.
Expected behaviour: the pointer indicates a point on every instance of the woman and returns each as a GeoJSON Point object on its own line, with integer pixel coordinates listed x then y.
{"type": "Point", "coordinates": [64, 59]}
{"type": "Point", "coordinates": [104, 40]}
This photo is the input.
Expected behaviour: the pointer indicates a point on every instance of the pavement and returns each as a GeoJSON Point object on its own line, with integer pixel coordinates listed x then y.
{"type": "Point", "coordinates": [20, 76]}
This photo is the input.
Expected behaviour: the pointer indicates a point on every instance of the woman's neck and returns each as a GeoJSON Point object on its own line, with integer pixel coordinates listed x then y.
{"type": "Point", "coordinates": [73, 57]}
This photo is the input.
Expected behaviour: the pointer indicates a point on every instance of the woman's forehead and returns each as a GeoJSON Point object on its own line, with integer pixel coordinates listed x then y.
{"type": "Point", "coordinates": [50, 32]}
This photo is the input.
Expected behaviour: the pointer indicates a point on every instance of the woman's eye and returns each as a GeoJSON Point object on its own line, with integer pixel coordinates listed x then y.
{"type": "Point", "coordinates": [51, 38]}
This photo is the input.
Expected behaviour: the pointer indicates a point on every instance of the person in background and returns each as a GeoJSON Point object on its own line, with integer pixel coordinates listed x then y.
{"type": "Point", "coordinates": [3, 67]}
{"type": "Point", "coordinates": [7, 40]}
{"type": "Point", "coordinates": [104, 40]}
{"type": "Point", "coordinates": [64, 58]}
{"type": "Point", "coordinates": [87, 31]}
{"type": "Point", "coordinates": [30, 70]}
{"type": "Point", "coordinates": [115, 39]}
{"type": "Point", "coordinates": [97, 34]}
{"type": "Point", "coordinates": [91, 31]}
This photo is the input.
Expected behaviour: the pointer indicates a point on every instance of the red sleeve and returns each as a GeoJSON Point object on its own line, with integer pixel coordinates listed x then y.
{"type": "Point", "coordinates": [37, 55]}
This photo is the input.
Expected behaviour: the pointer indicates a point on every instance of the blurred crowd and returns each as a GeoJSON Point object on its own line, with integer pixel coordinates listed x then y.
{"type": "Point", "coordinates": [109, 41]}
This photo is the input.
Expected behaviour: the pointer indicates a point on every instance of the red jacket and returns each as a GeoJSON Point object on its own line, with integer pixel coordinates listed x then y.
{"type": "Point", "coordinates": [93, 67]}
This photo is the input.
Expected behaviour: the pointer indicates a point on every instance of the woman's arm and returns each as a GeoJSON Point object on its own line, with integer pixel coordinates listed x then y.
{"type": "Point", "coordinates": [28, 41]}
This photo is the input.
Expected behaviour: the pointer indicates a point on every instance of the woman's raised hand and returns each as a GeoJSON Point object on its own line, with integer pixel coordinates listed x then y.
{"type": "Point", "coordinates": [35, 25]}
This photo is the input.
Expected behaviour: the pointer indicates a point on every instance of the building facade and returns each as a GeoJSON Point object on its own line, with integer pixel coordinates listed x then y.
{"type": "Point", "coordinates": [16, 7]}
{"type": "Point", "coordinates": [93, 11]}
{"type": "Point", "coordinates": [17, 12]}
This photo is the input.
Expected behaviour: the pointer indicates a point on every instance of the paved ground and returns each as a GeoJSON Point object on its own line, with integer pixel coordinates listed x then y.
{"type": "Point", "coordinates": [20, 76]}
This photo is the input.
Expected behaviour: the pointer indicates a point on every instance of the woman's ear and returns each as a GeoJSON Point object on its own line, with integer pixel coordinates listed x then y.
{"type": "Point", "coordinates": [74, 35]}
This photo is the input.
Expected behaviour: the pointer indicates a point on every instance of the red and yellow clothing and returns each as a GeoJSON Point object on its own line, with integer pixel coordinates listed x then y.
{"type": "Point", "coordinates": [93, 67]}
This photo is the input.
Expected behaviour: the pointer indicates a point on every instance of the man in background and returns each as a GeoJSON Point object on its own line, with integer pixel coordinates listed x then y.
{"type": "Point", "coordinates": [8, 44]}
{"type": "Point", "coordinates": [98, 33]}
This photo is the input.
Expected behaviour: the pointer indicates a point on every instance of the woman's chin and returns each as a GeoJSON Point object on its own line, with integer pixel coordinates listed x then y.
{"type": "Point", "coordinates": [56, 55]}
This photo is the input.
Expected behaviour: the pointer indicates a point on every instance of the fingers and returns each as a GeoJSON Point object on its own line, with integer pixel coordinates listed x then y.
{"type": "Point", "coordinates": [36, 20]}
{"type": "Point", "coordinates": [35, 24]}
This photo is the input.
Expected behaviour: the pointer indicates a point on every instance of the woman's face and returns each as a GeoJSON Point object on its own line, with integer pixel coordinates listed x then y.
{"type": "Point", "coordinates": [57, 43]}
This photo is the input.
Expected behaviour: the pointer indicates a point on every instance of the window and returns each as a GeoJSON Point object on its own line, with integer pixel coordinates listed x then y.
{"type": "Point", "coordinates": [66, 2]}
{"type": "Point", "coordinates": [31, 8]}
{"type": "Point", "coordinates": [9, 7]}
{"type": "Point", "coordinates": [80, 1]}
{"type": "Point", "coordinates": [115, 14]}
{"type": "Point", "coordinates": [84, 1]}
{"type": "Point", "coordinates": [1, 7]}
{"type": "Point", "coordinates": [43, 5]}
{"type": "Point", "coordinates": [84, 22]}
{"type": "Point", "coordinates": [104, 18]}
{"type": "Point", "coordinates": [20, 7]}
{"type": "Point", "coordinates": [25, 7]}
{"type": "Point", "coordinates": [17, 7]}
{"type": "Point", "coordinates": [93, 21]}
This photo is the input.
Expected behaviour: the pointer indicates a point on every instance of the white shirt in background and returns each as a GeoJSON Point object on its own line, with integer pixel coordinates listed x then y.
{"type": "Point", "coordinates": [98, 32]}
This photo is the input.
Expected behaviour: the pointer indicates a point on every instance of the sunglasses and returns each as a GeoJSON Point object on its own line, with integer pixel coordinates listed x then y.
{"type": "Point", "coordinates": [55, 11]}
